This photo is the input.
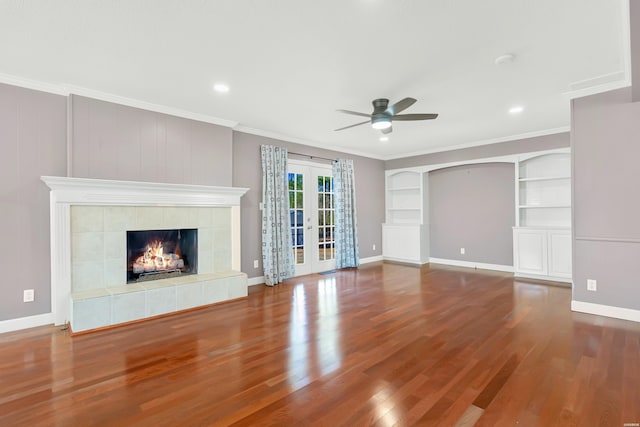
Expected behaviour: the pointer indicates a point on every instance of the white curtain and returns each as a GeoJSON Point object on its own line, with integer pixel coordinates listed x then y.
{"type": "Point", "coordinates": [277, 251]}
{"type": "Point", "coordinates": [346, 231]}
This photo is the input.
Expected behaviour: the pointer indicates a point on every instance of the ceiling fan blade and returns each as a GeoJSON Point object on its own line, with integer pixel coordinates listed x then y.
{"type": "Point", "coordinates": [387, 130]}
{"type": "Point", "coordinates": [406, 117]}
{"type": "Point", "coordinates": [355, 113]}
{"type": "Point", "coordinates": [350, 126]}
{"type": "Point", "coordinates": [400, 106]}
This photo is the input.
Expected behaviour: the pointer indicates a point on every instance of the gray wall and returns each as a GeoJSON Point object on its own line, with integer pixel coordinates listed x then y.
{"type": "Point", "coordinates": [472, 207]}
{"type": "Point", "coordinates": [606, 198]}
{"type": "Point", "coordinates": [247, 172]}
{"type": "Point", "coordinates": [33, 143]}
{"type": "Point", "coordinates": [112, 141]}
{"type": "Point", "coordinates": [538, 143]}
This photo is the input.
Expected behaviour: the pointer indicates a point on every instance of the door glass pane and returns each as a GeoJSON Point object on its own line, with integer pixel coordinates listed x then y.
{"type": "Point", "coordinates": [325, 218]}
{"type": "Point", "coordinates": [296, 212]}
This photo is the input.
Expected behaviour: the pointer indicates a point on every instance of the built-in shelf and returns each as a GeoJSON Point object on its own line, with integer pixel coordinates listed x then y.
{"type": "Point", "coordinates": [404, 235]}
{"type": "Point", "coordinates": [542, 235]}
{"type": "Point", "coordinates": [544, 178]}
{"type": "Point", "coordinates": [543, 206]}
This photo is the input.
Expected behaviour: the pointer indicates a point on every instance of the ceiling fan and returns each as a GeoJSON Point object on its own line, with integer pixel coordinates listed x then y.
{"type": "Point", "coordinates": [383, 115]}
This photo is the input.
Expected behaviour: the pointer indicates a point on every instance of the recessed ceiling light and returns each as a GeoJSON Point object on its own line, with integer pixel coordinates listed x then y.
{"type": "Point", "coordinates": [221, 88]}
{"type": "Point", "coordinates": [516, 110]}
{"type": "Point", "coordinates": [384, 138]}
{"type": "Point", "coordinates": [507, 58]}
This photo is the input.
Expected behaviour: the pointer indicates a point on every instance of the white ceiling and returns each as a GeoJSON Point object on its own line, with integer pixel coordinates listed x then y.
{"type": "Point", "coordinates": [291, 63]}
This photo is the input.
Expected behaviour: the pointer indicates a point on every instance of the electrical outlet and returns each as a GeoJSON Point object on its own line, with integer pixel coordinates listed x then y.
{"type": "Point", "coordinates": [255, 263]}
{"type": "Point", "coordinates": [374, 247]}
{"type": "Point", "coordinates": [461, 251]}
{"type": "Point", "coordinates": [28, 295]}
{"type": "Point", "coordinates": [592, 285]}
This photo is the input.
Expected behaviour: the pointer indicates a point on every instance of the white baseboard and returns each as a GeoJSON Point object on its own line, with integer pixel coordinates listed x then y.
{"type": "Point", "coordinates": [255, 281]}
{"type": "Point", "coordinates": [606, 310]}
{"type": "Point", "coordinates": [370, 259]}
{"type": "Point", "coordinates": [26, 322]}
{"type": "Point", "coordinates": [538, 277]}
{"type": "Point", "coordinates": [403, 261]}
{"type": "Point", "coordinates": [471, 264]}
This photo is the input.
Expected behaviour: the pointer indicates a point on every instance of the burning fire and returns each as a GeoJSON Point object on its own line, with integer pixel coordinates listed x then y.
{"type": "Point", "coordinates": [154, 259]}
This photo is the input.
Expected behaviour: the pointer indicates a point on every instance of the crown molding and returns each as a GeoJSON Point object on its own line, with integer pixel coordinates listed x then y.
{"type": "Point", "coordinates": [509, 138]}
{"type": "Point", "coordinates": [68, 89]}
{"type": "Point", "coordinates": [287, 138]}
{"type": "Point", "coordinates": [149, 106]}
{"type": "Point", "coordinates": [33, 84]}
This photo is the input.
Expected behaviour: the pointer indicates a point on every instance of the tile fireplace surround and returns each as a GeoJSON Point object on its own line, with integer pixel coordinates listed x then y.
{"type": "Point", "coordinates": [89, 221]}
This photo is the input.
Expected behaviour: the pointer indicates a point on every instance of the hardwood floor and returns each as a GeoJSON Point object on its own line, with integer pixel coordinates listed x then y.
{"type": "Point", "coordinates": [381, 345]}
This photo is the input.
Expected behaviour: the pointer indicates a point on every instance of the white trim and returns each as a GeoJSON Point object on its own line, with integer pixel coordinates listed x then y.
{"type": "Point", "coordinates": [371, 259]}
{"type": "Point", "coordinates": [259, 280]}
{"type": "Point", "coordinates": [403, 260]}
{"type": "Point", "coordinates": [509, 158]}
{"type": "Point", "coordinates": [68, 89]}
{"type": "Point", "coordinates": [471, 264]}
{"type": "Point", "coordinates": [616, 79]}
{"type": "Point", "coordinates": [109, 192]}
{"type": "Point", "coordinates": [309, 163]}
{"type": "Point", "coordinates": [26, 322]}
{"type": "Point", "coordinates": [597, 89]}
{"type": "Point", "coordinates": [158, 108]}
{"type": "Point", "coordinates": [592, 83]}
{"type": "Point", "coordinates": [489, 141]}
{"type": "Point", "coordinates": [32, 84]}
{"type": "Point", "coordinates": [295, 140]}
{"type": "Point", "coordinates": [543, 277]}
{"type": "Point", "coordinates": [606, 310]}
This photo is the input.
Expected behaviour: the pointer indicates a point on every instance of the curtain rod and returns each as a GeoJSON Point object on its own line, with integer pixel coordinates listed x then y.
{"type": "Point", "coordinates": [310, 156]}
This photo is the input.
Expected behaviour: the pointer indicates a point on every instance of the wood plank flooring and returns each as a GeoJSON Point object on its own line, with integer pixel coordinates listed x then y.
{"type": "Point", "coordinates": [383, 345]}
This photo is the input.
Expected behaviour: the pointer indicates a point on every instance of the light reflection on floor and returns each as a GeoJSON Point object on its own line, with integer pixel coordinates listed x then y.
{"type": "Point", "coordinates": [314, 349]}
{"type": "Point", "coordinates": [298, 340]}
{"type": "Point", "coordinates": [328, 332]}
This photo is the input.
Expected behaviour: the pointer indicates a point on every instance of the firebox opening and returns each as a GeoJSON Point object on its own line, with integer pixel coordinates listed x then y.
{"type": "Point", "coordinates": [160, 254]}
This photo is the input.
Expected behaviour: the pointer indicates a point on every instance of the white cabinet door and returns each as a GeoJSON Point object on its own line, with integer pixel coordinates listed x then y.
{"type": "Point", "coordinates": [560, 253]}
{"type": "Point", "coordinates": [401, 242]}
{"type": "Point", "coordinates": [530, 250]}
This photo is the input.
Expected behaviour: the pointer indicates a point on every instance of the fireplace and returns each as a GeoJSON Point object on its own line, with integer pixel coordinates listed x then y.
{"type": "Point", "coordinates": [160, 254]}
{"type": "Point", "coordinates": [89, 224]}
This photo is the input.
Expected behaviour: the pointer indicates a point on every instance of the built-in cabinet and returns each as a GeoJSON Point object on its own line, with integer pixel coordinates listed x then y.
{"type": "Point", "coordinates": [542, 235]}
{"type": "Point", "coordinates": [406, 227]}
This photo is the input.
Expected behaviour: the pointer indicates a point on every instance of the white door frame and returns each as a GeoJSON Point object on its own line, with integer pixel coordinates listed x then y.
{"type": "Point", "coordinates": [311, 171]}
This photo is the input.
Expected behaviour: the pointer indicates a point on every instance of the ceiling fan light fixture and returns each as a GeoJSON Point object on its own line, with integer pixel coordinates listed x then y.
{"type": "Point", "coordinates": [382, 122]}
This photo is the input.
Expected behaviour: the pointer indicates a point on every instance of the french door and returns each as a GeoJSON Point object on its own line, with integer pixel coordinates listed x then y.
{"type": "Point", "coordinates": [311, 211]}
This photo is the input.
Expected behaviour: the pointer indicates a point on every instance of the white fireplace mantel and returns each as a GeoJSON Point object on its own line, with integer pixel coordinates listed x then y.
{"type": "Point", "coordinates": [86, 191]}
{"type": "Point", "coordinates": [66, 192]}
